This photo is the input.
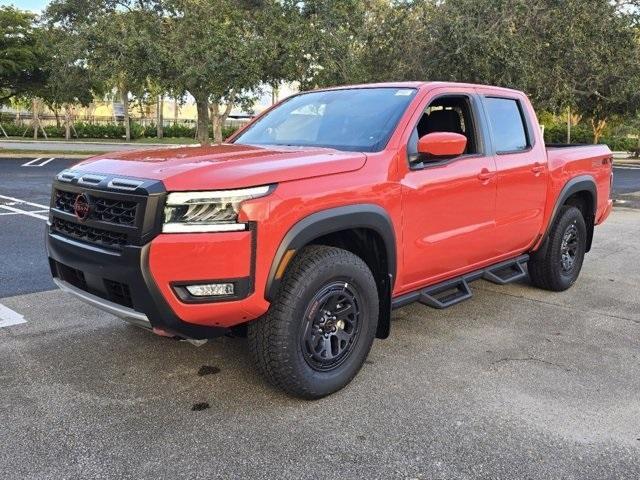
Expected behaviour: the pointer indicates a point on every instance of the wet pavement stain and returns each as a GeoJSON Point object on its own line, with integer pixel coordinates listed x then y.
{"type": "Point", "coordinates": [197, 407]}
{"type": "Point", "coordinates": [208, 370]}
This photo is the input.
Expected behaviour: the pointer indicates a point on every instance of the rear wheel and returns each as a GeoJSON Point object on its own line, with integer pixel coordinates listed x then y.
{"type": "Point", "coordinates": [557, 264]}
{"type": "Point", "coordinates": [319, 330]}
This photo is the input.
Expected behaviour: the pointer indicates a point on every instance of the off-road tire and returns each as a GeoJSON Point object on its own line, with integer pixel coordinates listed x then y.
{"type": "Point", "coordinates": [546, 264]}
{"type": "Point", "coordinates": [276, 341]}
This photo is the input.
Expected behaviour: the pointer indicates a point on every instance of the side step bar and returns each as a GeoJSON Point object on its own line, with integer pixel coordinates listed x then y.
{"type": "Point", "coordinates": [451, 292]}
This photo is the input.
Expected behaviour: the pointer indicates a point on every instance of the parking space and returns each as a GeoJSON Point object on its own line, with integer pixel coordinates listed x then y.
{"type": "Point", "coordinates": [24, 207]}
{"type": "Point", "coordinates": [515, 383]}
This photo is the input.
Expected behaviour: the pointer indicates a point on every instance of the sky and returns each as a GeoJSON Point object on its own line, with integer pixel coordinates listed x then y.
{"type": "Point", "coordinates": [34, 5]}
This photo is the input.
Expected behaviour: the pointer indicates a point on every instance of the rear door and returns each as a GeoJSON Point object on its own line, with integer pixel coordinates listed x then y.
{"type": "Point", "coordinates": [522, 173]}
{"type": "Point", "coordinates": [448, 204]}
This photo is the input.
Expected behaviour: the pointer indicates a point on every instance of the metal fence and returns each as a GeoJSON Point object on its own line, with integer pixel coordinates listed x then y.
{"type": "Point", "coordinates": [23, 119]}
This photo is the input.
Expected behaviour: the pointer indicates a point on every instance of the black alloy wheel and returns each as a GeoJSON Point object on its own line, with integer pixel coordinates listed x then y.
{"type": "Point", "coordinates": [331, 326]}
{"type": "Point", "coordinates": [569, 248]}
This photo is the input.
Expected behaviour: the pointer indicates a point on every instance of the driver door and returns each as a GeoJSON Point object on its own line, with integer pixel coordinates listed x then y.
{"type": "Point", "coordinates": [448, 203]}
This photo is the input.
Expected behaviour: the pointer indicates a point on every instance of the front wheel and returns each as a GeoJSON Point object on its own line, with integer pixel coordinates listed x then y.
{"type": "Point", "coordinates": [319, 330]}
{"type": "Point", "coordinates": [557, 264]}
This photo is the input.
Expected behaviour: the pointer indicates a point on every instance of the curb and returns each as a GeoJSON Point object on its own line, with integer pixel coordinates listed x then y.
{"type": "Point", "coordinates": [626, 162]}
{"type": "Point", "coordinates": [52, 154]}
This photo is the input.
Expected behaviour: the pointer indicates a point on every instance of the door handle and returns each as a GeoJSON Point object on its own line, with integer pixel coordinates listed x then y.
{"type": "Point", "coordinates": [485, 175]}
{"type": "Point", "coordinates": [537, 168]}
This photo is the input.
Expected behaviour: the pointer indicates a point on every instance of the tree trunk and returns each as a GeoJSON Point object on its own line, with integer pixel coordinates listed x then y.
{"type": "Point", "coordinates": [125, 104]}
{"type": "Point", "coordinates": [274, 94]}
{"type": "Point", "coordinates": [218, 119]}
{"type": "Point", "coordinates": [176, 110]}
{"type": "Point", "coordinates": [216, 125]}
{"type": "Point", "coordinates": [34, 120]}
{"type": "Point", "coordinates": [202, 125]}
{"type": "Point", "coordinates": [568, 125]}
{"type": "Point", "coordinates": [598, 126]}
{"type": "Point", "coordinates": [56, 113]}
{"type": "Point", "coordinates": [160, 120]}
{"type": "Point", "coordinates": [67, 123]}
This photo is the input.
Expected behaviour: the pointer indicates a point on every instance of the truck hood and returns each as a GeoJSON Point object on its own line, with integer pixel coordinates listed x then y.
{"type": "Point", "coordinates": [224, 166]}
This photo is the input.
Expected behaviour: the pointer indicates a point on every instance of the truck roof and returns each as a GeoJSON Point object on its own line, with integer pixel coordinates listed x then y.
{"type": "Point", "coordinates": [425, 84]}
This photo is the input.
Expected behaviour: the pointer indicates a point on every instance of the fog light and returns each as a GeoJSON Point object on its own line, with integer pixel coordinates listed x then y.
{"type": "Point", "coordinates": [211, 289]}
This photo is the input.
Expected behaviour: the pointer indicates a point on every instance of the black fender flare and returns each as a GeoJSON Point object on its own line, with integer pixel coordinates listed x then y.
{"type": "Point", "coordinates": [582, 183]}
{"type": "Point", "coordinates": [333, 220]}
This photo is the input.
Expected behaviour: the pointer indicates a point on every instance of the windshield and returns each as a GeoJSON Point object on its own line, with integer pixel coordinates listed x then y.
{"type": "Point", "coordinates": [358, 119]}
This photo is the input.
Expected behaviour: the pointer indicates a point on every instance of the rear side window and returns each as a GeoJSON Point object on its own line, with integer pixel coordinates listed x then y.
{"type": "Point", "coordinates": [507, 125]}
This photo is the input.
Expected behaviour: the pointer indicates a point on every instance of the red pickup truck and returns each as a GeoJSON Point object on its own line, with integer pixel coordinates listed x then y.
{"type": "Point", "coordinates": [307, 227]}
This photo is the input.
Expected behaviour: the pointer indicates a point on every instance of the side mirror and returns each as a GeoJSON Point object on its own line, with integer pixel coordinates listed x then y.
{"type": "Point", "coordinates": [442, 144]}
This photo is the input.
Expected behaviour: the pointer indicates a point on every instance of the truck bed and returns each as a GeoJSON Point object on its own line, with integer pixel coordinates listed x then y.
{"type": "Point", "coordinates": [575, 152]}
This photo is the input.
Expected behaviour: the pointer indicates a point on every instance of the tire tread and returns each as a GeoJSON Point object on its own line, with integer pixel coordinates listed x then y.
{"type": "Point", "coordinates": [542, 265]}
{"type": "Point", "coordinates": [268, 336]}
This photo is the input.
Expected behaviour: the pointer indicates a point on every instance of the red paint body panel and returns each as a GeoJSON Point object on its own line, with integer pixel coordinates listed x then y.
{"type": "Point", "coordinates": [448, 219]}
{"type": "Point", "coordinates": [442, 143]}
{"type": "Point", "coordinates": [200, 257]}
{"type": "Point", "coordinates": [225, 166]}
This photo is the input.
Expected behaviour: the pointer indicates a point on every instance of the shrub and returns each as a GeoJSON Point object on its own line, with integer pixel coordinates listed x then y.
{"type": "Point", "coordinates": [179, 131]}
{"type": "Point", "coordinates": [110, 130]}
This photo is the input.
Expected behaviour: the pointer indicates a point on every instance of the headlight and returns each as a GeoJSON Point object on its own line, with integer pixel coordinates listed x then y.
{"type": "Point", "coordinates": [215, 211]}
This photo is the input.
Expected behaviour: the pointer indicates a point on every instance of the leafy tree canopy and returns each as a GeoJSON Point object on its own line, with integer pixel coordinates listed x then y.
{"type": "Point", "coordinates": [21, 54]}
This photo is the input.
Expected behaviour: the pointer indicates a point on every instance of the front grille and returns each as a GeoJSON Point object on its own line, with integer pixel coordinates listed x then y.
{"type": "Point", "coordinates": [118, 212]}
{"type": "Point", "coordinates": [89, 234]}
{"type": "Point", "coordinates": [64, 200]}
{"type": "Point", "coordinates": [115, 211]}
{"type": "Point", "coordinates": [112, 212]}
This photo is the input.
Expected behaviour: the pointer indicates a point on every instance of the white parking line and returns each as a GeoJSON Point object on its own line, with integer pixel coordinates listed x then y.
{"type": "Point", "coordinates": [23, 212]}
{"type": "Point", "coordinates": [8, 317]}
{"type": "Point", "coordinates": [20, 213]}
{"type": "Point", "coordinates": [14, 199]}
{"type": "Point", "coordinates": [45, 162]}
{"type": "Point", "coordinates": [33, 163]}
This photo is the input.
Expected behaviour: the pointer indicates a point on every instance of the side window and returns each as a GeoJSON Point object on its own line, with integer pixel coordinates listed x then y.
{"type": "Point", "coordinates": [445, 114]}
{"type": "Point", "coordinates": [507, 124]}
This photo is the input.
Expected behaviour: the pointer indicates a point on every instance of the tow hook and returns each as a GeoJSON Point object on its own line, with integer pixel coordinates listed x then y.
{"type": "Point", "coordinates": [192, 341]}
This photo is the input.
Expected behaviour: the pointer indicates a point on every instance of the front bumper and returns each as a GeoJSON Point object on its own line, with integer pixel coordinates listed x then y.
{"type": "Point", "coordinates": [126, 313]}
{"type": "Point", "coordinates": [117, 258]}
{"type": "Point", "coordinates": [119, 282]}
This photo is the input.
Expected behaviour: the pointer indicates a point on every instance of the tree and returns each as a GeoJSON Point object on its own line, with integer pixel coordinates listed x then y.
{"type": "Point", "coordinates": [115, 40]}
{"type": "Point", "coordinates": [602, 66]}
{"type": "Point", "coordinates": [69, 81]}
{"type": "Point", "coordinates": [396, 37]}
{"type": "Point", "coordinates": [215, 53]}
{"type": "Point", "coordinates": [332, 42]}
{"type": "Point", "coordinates": [121, 53]}
{"type": "Point", "coordinates": [20, 54]}
{"type": "Point", "coordinates": [578, 54]}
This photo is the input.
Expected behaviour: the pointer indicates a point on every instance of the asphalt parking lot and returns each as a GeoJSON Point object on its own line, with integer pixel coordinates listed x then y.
{"type": "Point", "coordinates": [516, 383]}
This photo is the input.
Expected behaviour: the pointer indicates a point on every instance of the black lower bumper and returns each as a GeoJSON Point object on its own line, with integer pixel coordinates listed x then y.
{"type": "Point", "coordinates": [121, 277]}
